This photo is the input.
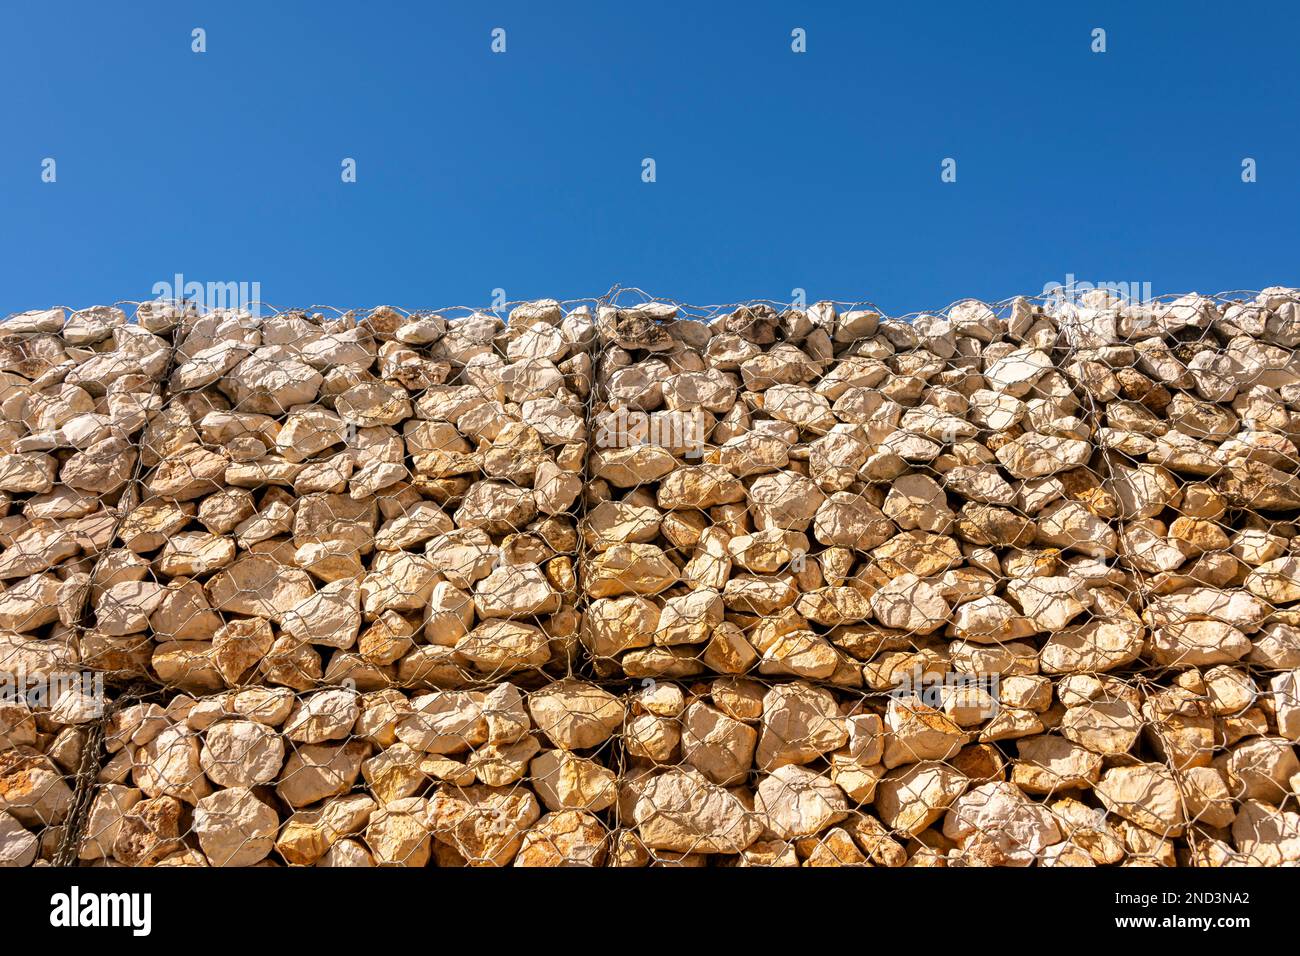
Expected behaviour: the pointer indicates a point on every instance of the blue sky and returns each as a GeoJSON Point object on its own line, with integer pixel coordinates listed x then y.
{"type": "Point", "coordinates": [522, 170]}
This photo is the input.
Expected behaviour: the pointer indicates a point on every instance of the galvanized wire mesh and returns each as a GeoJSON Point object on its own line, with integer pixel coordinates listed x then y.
{"type": "Point", "coordinates": [631, 582]}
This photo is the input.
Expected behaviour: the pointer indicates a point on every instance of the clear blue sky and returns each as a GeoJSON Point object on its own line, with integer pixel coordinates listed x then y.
{"type": "Point", "coordinates": [775, 170]}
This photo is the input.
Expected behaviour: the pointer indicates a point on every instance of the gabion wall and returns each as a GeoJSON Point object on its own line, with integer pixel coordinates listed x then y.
{"type": "Point", "coordinates": [627, 583]}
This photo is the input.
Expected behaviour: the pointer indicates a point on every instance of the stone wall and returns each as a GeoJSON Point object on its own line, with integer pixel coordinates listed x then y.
{"type": "Point", "coordinates": [627, 583]}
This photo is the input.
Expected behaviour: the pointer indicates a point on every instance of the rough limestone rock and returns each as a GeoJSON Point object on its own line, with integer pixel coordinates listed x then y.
{"type": "Point", "coordinates": [575, 715]}
{"type": "Point", "coordinates": [680, 810]}
{"type": "Point", "coordinates": [1145, 794]}
{"type": "Point", "coordinates": [234, 827]}
{"type": "Point", "coordinates": [398, 833]}
{"type": "Point", "coordinates": [484, 825]}
{"type": "Point", "coordinates": [798, 802]}
{"type": "Point", "coordinates": [799, 723]}
{"type": "Point", "coordinates": [241, 753]}
{"type": "Point", "coordinates": [997, 822]}
{"type": "Point", "coordinates": [564, 838]}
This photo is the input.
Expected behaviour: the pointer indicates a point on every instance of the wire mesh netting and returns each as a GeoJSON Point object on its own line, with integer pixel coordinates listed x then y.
{"type": "Point", "coordinates": [630, 582]}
